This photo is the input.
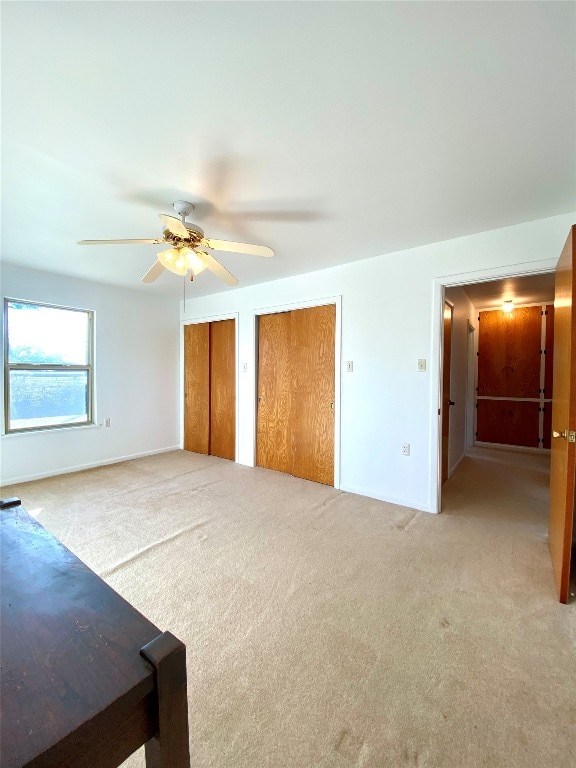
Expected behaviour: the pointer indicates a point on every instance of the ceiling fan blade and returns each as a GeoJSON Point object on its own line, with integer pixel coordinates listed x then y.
{"type": "Point", "coordinates": [174, 225]}
{"type": "Point", "coordinates": [153, 273]}
{"type": "Point", "coordinates": [279, 215]}
{"type": "Point", "coordinates": [228, 245]}
{"type": "Point", "coordinates": [118, 242]}
{"type": "Point", "coordinates": [218, 269]}
{"type": "Point", "coordinates": [156, 198]}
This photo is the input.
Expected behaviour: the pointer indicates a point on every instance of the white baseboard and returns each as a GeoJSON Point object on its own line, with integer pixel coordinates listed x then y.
{"type": "Point", "coordinates": [519, 448]}
{"type": "Point", "coordinates": [455, 467]}
{"type": "Point", "coordinates": [399, 502]}
{"type": "Point", "coordinates": [90, 465]}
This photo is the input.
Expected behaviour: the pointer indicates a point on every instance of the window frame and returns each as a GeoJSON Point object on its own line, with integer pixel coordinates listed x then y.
{"type": "Point", "coordinates": [56, 367]}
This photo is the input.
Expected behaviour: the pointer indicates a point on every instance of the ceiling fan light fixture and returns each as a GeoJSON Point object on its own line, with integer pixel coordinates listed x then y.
{"type": "Point", "coordinates": [175, 260]}
{"type": "Point", "coordinates": [195, 263]}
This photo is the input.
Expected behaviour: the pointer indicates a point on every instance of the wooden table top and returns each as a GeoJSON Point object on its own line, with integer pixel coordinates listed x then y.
{"type": "Point", "coordinates": [70, 645]}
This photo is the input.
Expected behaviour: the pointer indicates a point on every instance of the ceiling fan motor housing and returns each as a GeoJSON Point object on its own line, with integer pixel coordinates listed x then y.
{"type": "Point", "coordinates": [182, 207]}
{"type": "Point", "coordinates": [194, 239]}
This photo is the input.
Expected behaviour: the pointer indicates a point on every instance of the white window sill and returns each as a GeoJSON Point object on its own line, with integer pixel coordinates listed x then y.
{"type": "Point", "coordinates": [51, 430]}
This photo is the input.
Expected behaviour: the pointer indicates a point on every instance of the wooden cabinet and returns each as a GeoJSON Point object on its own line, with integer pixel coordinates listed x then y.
{"type": "Point", "coordinates": [295, 421]}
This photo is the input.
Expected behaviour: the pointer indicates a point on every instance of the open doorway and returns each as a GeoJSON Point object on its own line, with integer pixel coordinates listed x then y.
{"type": "Point", "coordinates": [514, 414]}
{"type": "Point", "coordinates": [509, 399]}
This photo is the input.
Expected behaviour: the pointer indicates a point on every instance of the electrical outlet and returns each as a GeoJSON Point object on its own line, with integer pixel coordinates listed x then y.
{"type": "Point", "coordinates": [422, 364]}
{"type": "Point", "coordinates": [106, 422]}
{"type": "Point", "coordinates": [349, 366]}
{"type": "Point", "coordinates": [405, 449]}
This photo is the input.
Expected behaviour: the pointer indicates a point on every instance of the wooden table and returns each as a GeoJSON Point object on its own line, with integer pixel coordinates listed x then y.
{"type": "Point", "coordinates": [85, 678]}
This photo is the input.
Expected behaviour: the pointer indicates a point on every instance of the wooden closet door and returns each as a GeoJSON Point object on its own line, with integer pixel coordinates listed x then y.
{"type": "Point", "coordinates": [312, 393]}
{"type": "Point", "coordinates": [509, 353]}
{"type": "Point", "coordinates": [197, 388]}
{"type": "Point", "coordinates": [508, 422]}
{"type": "Point", "coordinates": [223, 389]}
{"type": "Point", "coordinates": [274, 392]}
{"type": "Point", "coordinates": [295, 421]}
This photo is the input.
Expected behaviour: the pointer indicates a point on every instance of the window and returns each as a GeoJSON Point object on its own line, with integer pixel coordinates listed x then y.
{"type": "Point", "coordinates": [48, 366]}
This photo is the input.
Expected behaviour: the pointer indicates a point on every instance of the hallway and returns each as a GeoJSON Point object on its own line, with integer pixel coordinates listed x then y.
{"type": "Point", "coordinates": [504, 494]}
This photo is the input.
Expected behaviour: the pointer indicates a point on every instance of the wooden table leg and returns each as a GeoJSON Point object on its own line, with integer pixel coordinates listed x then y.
{"type": "Point", "coordinates": [170, 747]}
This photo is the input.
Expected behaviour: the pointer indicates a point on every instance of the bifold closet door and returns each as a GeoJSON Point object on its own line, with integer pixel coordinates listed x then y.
{"type": "Point", "coordinates": [210, 388]}
{"type": "Point", "coordinates": [222, 389]}
{"type": "Point", "coordinates": [312, 411]}
{"type": "Point", "coordinates": [273, 392]}
{"type": "Point", "coordinates": [197, 388]}
{"type": "Point", "coordinates": [295, 422]}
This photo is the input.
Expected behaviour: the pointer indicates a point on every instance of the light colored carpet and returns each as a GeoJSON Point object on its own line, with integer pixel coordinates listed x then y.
{"type": "Point", "coordinates": [328, 630]}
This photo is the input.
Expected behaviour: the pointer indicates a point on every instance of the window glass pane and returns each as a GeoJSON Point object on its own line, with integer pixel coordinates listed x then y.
{"type": "Point", "coordinates": [45, 398]}
{"type": "Point", "coordinates": [46, 335]}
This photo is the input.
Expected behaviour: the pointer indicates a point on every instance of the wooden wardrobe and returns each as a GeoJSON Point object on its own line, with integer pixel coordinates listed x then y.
{"type": "Point", "coordinates": [295, 412]}
{"type": "Point", "coordinates": [210, 388]}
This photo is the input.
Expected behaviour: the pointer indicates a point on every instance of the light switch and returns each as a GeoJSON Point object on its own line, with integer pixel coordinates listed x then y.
{"type": "Point", "coordinates": [422, 364]}
{"type": "Point", "coordinates": [350, 366]}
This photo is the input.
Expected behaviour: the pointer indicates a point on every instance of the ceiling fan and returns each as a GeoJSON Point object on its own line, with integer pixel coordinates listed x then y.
{"type": "Point", "coordinates": [187, 241]}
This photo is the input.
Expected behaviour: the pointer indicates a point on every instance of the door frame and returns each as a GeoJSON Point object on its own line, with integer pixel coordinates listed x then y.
{"type": "Point", "coordinates": [198, 321]}
{"type": "Point", "coordinates": [256, 313]}
{"type": "Point", "coordinates": [439, 285]}
{"type": "Point", "coordinates": [471, 376]}
{"type": "Point", "coordinates": [449, 303]}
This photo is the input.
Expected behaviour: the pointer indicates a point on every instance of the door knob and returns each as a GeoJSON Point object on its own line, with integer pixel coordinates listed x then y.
{"type": "Point", "coordinates": [559, 434]}
{"type": "Point", "coordinates": [451, 402]}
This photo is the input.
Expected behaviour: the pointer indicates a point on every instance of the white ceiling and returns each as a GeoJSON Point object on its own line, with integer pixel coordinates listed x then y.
{"type": "Point", "coordinates": [351, 129]}
{"type": "Point", "coordinates": [525, 289]}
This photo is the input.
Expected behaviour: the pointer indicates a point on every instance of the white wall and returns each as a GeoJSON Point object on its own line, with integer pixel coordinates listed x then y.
{"type": "Point", "coordinates": [391, 316]}
{"type": "Point", "coordinates": [459, 384]}
{"type": "Point", "coordinates": [137, 378]}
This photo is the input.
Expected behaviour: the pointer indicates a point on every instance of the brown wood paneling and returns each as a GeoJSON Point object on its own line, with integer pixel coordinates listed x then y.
{"type": "Point", "coordinates": [549, 358]}
{"type": "Point", "coordinates": [508, 422]}
{"type": "Point", "coordinates": [223, 389]}
{"type": "Point", "coordinates": [274, 392]}
{"type": "Point", "coordinates": [563, 455]}
{"type": "Point", "coordinates": [446, 361]}
{"type": "Point", "coordinates": [509, 353]}
{"type": "Point", "coordinates": [196, 388]}
{"type": "Point", "coordinates": [312, 384]}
